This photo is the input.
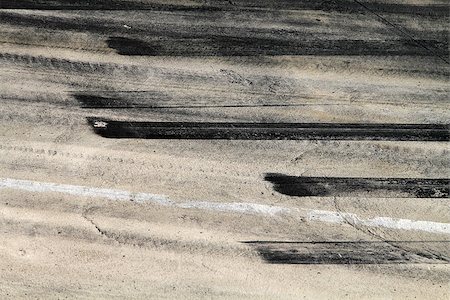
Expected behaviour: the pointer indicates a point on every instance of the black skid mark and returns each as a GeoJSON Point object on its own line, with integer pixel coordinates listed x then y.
{"type": "Point", "coordinates": [301, 186]}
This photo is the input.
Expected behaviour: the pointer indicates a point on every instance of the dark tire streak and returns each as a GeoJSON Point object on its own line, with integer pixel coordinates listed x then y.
{"type": "Point", "coordinates": [353, 187]}
{"type": "Point", "coordinates": [164, 101]}
{"type": "Point", "coordinates": [350, 252]}
{"type": "Point", "coordinates": [348, 6]}
{"type": "Point", "coordinates": [269, 131]}
{"type": "Point", "coordinates": [158, 33]}
{"type": "Point", "coordinates": [430, 47]}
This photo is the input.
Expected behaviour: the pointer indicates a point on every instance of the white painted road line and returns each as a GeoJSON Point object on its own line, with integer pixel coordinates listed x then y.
{"type": "Point", "coordinates": [238, 207]}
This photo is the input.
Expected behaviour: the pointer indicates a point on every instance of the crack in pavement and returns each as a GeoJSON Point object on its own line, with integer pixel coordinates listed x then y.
{"type": "Point", "coordinates": [102, 232]}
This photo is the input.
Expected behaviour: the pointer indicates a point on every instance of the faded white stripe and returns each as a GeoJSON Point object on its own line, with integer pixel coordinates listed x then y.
{"type": "Point", "coordinates": [239, 207]}
{"type": "Point", "coordinates": [386, 222]}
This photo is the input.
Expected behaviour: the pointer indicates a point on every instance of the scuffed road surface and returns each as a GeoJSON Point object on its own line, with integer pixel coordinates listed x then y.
{"type": "Point", "coordinates": [86, 216]}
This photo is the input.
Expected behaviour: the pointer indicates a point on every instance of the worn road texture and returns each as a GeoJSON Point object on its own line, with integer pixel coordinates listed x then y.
{"type": "Point", "coordinates": [224, 149]}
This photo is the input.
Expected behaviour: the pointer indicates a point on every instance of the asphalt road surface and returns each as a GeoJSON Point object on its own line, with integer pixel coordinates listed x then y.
{"type": "Point", "coordinates": [224, 149]}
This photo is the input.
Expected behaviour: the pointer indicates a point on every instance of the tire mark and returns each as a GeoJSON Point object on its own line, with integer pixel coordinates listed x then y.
{"type": "Point", "coordinates": [166, 39]}
{"type": "Point", "coordinates": [67, 65]}
{"type": "Point", "coordinates": [348, 6]}
{"type": "Point", "coordinates": [108, 159]}
{"type": "Point", "coordinates": [353, 187]}
{"type": "Point", "coordinates": [269, 131]}
{"type": "Point", "coordinates": [215, 45]}
{"type": "Point", "coordinates": [433, 48]}
{"type": "Point", "coordinates": [346, 252]}
{"type": "Point", "coordinates": [93, 101]}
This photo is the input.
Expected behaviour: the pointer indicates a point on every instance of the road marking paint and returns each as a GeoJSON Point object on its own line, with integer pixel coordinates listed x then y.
{"type": "Point", "coordinates": [247, 208]}
{"type": "Point", "coordinates": [385, 222]}
{"type": "Point", "coordinates": [238, 207]}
